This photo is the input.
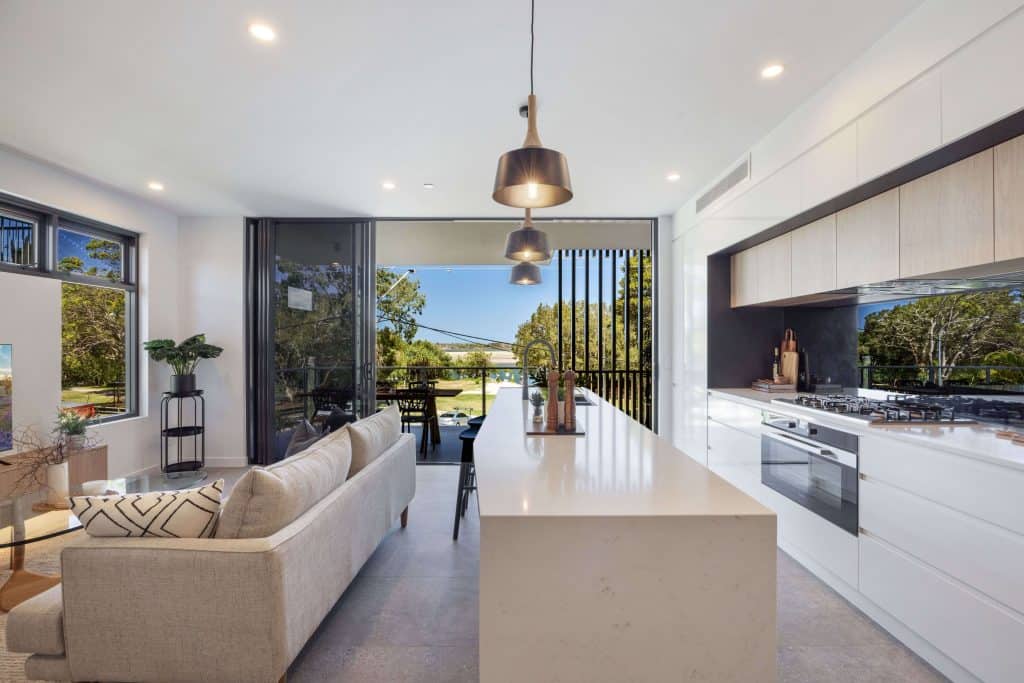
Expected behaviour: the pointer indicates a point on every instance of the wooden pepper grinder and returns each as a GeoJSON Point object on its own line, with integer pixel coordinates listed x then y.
{"type": "Point", "coordinates": [570, 401]}
{"type": "Point", "coordinates": [552, 413]}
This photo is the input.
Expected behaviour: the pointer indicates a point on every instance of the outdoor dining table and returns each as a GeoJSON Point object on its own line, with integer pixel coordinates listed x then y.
{"type": "Point", "coordinates": [432, 394]}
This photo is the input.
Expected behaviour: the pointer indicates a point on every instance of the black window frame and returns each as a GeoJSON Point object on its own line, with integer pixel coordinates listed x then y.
{"type": "Point", "coordinates": [48, 221]}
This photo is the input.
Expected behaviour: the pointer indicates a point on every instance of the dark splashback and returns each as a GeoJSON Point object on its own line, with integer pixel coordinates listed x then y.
{"type": "Point", "coordinates": [829, 336]}
{"type": "Point", "coordinates": [740, 340]}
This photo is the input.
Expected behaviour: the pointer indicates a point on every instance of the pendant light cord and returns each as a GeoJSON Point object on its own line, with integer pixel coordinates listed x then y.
{"type": "Point", "coordinates": [532, 11]}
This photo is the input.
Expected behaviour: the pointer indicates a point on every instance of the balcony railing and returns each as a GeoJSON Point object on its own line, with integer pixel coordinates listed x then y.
{"type": "Point", "coordinates": [908, 377]}
{"type": "Point", "coordinates": [16, 242]}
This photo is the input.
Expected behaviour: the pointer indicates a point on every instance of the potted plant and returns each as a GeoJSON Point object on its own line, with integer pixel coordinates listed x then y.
{"type": "Point", "coordinates": [183, 359]}
{"type": "Point", "coordinates": [537, 400]}
{"type": "Point", "coordinates": [71, 426]}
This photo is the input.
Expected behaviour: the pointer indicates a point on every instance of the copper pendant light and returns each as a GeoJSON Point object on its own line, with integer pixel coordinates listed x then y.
{"type": "Point", "coordinates": [527, 243]}
{"type": "Point", "coordinates": [532, 176]}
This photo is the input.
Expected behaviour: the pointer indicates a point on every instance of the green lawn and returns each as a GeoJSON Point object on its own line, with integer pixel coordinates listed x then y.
{"type": "Point", "coordinates": [470, 400]}
{"type": "Point", "coordinates": [93, 395]}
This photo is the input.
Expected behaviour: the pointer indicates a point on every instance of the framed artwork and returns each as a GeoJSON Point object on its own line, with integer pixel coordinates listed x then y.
{"type": "Point", "coordinates": [6, 399]}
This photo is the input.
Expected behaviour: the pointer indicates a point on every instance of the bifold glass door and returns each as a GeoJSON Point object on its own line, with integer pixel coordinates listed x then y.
{"type": "Point", "coordinates": [311, 328]}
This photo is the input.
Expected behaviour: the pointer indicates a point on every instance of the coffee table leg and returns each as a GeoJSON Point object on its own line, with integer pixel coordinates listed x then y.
{"type": "Point", "coordinates": [22, 584]}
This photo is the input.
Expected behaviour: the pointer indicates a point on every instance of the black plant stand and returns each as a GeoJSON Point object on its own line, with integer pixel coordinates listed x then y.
{"type": "Point", "coordinates": [186, 440]}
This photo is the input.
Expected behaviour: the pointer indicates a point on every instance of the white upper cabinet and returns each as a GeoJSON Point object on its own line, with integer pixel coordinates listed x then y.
{"type": "Point", "coordinates": [946, 218]}
{"type": "Point", "coordinates": [868, 241]}
{"type": "Point", "coordinates": [774, 268]}
{"type": "Point", "coordinates": [1009, 197]}
{"type": "Point", "coordinates": [814, 257]}
{"type": "Point", "coordinates": [744, 277]}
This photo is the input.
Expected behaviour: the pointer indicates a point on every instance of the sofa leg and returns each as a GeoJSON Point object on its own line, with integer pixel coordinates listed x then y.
{"type": "Point", "coordinates": [405, 517]}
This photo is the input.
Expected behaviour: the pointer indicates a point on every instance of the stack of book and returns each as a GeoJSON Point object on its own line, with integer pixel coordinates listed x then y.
{"type": "Point", "coordinates": [769, 385]}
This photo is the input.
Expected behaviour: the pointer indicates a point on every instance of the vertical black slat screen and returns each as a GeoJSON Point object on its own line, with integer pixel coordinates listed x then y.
{"type": "Point", "coordinates": [586, 310]}
{"type": "Point", "coordinates": [561, 293]}
{"type": "Point", "coordinates": [626, 386]}
{"type": "Point", "coordinates": [572, 314]}
{"type": "Point", "coordinates": [626, 307]}
{"type": "Point", "coordinates": [600, 311]}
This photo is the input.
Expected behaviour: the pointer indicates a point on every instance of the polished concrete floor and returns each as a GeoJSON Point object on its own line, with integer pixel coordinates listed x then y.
{"type": "Point", "coordinates": [411, 614]}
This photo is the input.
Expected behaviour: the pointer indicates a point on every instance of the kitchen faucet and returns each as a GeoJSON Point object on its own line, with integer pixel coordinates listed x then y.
{"type": "Point", "coordinates": [526, 355]}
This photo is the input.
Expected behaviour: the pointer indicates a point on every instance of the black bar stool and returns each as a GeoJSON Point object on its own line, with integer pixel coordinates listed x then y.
{"type": "Point", "coordinates": [467, 476]}
{"type": "Point", "coordinates": [475, 422]}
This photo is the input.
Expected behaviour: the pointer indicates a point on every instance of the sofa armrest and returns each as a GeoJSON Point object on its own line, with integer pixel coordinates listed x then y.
{"type": "Point", "coordinates": [147, 609]}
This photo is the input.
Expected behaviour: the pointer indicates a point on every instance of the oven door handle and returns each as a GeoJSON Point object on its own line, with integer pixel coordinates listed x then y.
{"type": "Point", "coordinates": [810, 449]}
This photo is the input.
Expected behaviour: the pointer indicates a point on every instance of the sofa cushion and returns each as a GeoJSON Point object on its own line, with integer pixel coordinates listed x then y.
{"type": "Point", "coordinates": [304, 435]}
{"type": "Point", "coordinates": [190, 513]}
{"type": "Point", "coordinates": [372, 436]}
{"type": "Point", "coordinates": [266, 500]}
{"type": "Point", "coordinates": [37, 625]}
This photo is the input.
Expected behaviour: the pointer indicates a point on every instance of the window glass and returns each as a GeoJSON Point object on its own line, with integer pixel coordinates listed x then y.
{"type": "Point", "coordinates": [94, 338]}
{"type": "Point", "coordinates": [85, 254]}
{"type": "Point", "coordinates": [17, 240]}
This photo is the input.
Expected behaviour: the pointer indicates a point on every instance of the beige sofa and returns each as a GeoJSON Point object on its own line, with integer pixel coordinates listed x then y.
{"type": "Point", "coordinates": [219, 609]}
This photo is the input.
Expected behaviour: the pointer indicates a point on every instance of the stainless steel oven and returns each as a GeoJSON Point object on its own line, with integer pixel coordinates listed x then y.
{"type": "Point", "coordinates": [813, 465]}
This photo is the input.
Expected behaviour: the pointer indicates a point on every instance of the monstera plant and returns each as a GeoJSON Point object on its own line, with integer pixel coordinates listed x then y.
{"type": "Point", "coordinates": [183, 359]}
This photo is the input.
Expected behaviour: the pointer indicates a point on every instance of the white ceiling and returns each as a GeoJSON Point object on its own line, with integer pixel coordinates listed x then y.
{"type": "Point", "coordinates": [353, 93]}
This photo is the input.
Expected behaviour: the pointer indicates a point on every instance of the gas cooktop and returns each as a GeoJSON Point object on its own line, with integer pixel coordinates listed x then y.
{"type": "Point", "coordinates": [893, 409]}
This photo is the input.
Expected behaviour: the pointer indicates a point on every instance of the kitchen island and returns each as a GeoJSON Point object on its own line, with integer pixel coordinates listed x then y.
{"type": "Point", "coordinates": [613, 556]}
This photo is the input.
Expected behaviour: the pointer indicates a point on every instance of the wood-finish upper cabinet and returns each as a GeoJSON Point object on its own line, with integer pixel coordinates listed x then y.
{"type": "Point", "coordinates": [744, 277]}
{"type": "Point", "coordinates": [946, 218]}
{"type": "Point", "coordinates": [1009, 197]}
{"type": "Point", "coordinates": [814, 257]}
{"type": "Point", "coordinates": [775, 268]}
{"type": "Point", "coordinates": [868, 241]}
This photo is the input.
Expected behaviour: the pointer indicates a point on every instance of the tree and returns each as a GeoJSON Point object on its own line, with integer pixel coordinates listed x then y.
{"type": "Point", "coordinates": [397, 306]}
{"type": "Point", "coordinates": [476, 359]}
{"type": "Point", "coordinates": [946, 331]}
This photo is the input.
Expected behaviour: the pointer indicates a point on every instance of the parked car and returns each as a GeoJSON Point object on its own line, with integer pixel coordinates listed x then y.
{"type": "Point", "coordinates": [453, 418]}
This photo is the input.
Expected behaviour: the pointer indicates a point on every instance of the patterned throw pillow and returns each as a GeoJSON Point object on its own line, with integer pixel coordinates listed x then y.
{"type": "Point", "coordinates": [191, 513]}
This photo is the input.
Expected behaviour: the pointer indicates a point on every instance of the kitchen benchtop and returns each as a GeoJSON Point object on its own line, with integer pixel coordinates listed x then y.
{"type": "Point", "coordinates": [976, 441]}
{"type": "Point", "coordinates": [618, 468]}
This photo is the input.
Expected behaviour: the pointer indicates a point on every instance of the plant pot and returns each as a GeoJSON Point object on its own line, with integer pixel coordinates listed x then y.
{"type": "Point", "coordinates": [76, 442]}
{"type": "Point", "coordinates": [538, 414]}
{"type": "Point", "coordinates": [183, 384]}
{"type": "Point", "coordinates": [57, 491]}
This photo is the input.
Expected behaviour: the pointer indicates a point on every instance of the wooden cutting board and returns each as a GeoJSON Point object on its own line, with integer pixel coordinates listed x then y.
{"type": "Point", "coordinates": [790, 366]}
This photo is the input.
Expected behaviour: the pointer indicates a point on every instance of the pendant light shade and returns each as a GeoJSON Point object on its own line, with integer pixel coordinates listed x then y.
{"type": "Point", "coordinates": [533, 176]}
{"type": "Point", "coordinates": [527, 243]}
{"type": "Point", "coordinates": [525, 274]}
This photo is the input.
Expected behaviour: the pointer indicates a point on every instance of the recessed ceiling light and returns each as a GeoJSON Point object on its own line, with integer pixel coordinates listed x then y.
{"type": "Point", "coordinates": [672, 177]}
{"type": "Point", "coordinates": [262, 32]}
{"type": "Point", "coordinates": [388, 185]}
{"type": "Point", "coordinates": [428, 186]}
{"type": "Point", "coordinates": [155, 185]}
{"type": "Point", "coordinates": [772, 71]}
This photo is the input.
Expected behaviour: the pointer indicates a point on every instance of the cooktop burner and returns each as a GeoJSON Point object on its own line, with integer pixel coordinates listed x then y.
{"type": "Point", "coordinates": [891, 410]}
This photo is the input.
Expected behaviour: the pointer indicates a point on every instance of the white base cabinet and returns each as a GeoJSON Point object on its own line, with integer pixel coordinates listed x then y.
{"type": "Point", "coordinates": [939, 561]}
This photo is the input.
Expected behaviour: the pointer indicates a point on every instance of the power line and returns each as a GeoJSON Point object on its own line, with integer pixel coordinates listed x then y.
{"type": "Point", "coordinates": [469, 338]}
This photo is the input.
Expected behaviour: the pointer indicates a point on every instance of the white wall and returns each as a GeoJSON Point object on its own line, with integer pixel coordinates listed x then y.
{"type": "Point", "coordinates": [446, 243]}
{"type": "Point", "coordinates": [212, 297]}
{"type": "Point", "coordinates": [948, 69]}
{"type": "Point", "coordinates": [133, 443]}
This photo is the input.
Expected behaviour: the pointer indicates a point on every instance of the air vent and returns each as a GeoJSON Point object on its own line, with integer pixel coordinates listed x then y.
{"type": "Point", "coordinates": [731, 180]}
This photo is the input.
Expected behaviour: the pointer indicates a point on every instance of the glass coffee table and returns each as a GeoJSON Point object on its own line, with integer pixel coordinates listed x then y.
{"type": "Point", "coordinates": [26, 519]}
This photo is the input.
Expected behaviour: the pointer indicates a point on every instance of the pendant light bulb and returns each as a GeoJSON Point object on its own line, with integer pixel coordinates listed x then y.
{"type": "Point", "coordinates": [525, 274]}
{"type": "Point", "coordinates": [527, 243]}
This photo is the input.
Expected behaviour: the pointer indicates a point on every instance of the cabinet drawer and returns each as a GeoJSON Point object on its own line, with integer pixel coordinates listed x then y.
{"type": "Point", "coordinates": [979, 489]}
{"type": "Point", "coordinates": [736, 415]}
{"type": "Point", "coordinates": [735, 455]}
{"type": "Point", "coordinates": [981, 636]}
{"type": "Point", "coordinates": [988, 558]}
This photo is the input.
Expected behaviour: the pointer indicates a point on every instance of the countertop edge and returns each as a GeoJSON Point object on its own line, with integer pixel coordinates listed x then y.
{"type": "Point", "coordinates": [732, 394]}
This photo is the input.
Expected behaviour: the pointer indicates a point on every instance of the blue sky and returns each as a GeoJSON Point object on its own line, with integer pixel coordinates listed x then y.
{"type": "Point", "coordinates": [478, 300]}
{"type": "Point", "coordinates": [73, 244]}
{"type": "Point", "coordinates": [5, 359]}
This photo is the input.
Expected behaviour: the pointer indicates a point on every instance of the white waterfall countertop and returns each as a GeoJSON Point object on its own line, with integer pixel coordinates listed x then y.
{"type": "Point", "coordinates": [614, 556]}
{"type": "Point", "coordinates": [618, 468]}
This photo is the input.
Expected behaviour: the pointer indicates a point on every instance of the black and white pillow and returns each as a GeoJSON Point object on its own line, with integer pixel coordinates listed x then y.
{"type": "Point", "coordinates": [191, 513]}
